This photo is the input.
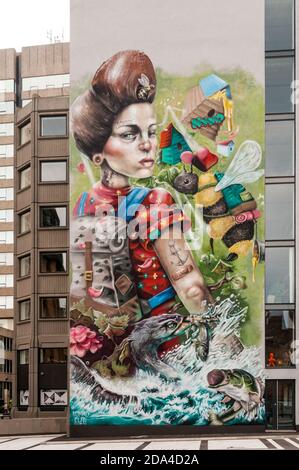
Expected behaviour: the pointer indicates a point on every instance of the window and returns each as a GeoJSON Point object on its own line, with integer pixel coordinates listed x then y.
{"type": "Point", "coordinates": [7, 86]}
{"type": "Point", "coordinates": [7, 129]}
{"type": "Point", "coordinates": [280, 335]}
{"type": "Point", "coordinates": [53, 126]}
{"type": "Point", "coordinates": [6, 172]}
{"type": "Point", "coordinates": [6, 259]}
{"type": "Point", "coordinates": [6, 194]}
{"type": "Point", "coordinates": [25, 178]}
{"type": "Point", "coordinates": [6, 280]}
{"type": "Point", "coordinates": [6, 367]}
{"type": "Point", "coordinates": [279, 275]}
{"type": "Point", "coordinates": [23, 356]}
{"type": "Point", "coordinates": [279, 26]}
{"type": "Point", "coordinates": [53, 216]}
{"type": "Point", "coordinates": [24, 266]}
{"type": "Point", "coordinates": [25, 133]}
{"type": "Point", "coordinates": [5, 343]}
{"type": "Point", "coordinates": [280, 211]}
{"type": "Point", "coordinates": [279, 148]}
{"type": "Point", "coordinates": [53, 171]}
{"type": "Point", "coordinates": [7, 107]}
{"type": "Point", "coordinates": [25, 222]}
{"type": "Point", "coordinates": [6, 323]}
{"type": "Point", "coordinates": [53, 307]}
{"type": "Point", "coordinates": [24, 310]}
{"type": "Point", "coordinates": [279, 76]}
{"type": "Point", "coordinates": [6, 215]}
{"type": "Point", "coordinates": [6, 238]}
{"type": "Point", "coordinates": [53, 262]}
{"type": "Point", "coordinates": [6, 302]}
{"type": "Point", "coordinates": [53, 356]}
{"type": "Point", "coordinates": [47, 81]}
{"type": "Point", "coordinates": [6, 151]}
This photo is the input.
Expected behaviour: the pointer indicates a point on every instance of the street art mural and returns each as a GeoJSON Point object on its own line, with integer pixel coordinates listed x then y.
{"type": "Point", "coordinates": [167, 252]}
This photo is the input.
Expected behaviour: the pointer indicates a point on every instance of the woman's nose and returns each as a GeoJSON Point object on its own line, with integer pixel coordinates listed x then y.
{"type": "Point", "coordinates": [145, 145]}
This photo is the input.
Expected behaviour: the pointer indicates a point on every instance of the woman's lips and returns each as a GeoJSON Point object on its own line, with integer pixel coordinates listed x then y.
{"type": "Point", "coordinates": [147, 162]}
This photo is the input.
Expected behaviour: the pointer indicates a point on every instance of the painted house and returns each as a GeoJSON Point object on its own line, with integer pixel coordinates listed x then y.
{"type": "Point", "coordinates": [226, 148]}
{"type": "Point", "coordinates": [172, 144]}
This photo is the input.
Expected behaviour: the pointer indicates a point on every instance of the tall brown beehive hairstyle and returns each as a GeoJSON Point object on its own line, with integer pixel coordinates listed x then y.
{"type": "Point", "coordinates": [127, 77]}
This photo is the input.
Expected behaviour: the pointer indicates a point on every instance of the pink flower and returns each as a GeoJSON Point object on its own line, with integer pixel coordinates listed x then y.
{"type": "Point", "coordinates": [83, 340]}
{"type": "Point", "coordinates": [81, 167]}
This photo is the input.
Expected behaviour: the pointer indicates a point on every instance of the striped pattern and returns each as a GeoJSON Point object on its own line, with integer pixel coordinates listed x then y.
{"type": "Point", "coordinates": [58, 442]}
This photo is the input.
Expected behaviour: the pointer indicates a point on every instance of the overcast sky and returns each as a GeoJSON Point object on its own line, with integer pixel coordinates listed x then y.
{"type": "Point", "coordinates": [26, 22]}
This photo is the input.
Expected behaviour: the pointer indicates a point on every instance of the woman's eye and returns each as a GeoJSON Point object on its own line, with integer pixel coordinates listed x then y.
{"type": "Point", "coordinates": [128, 136]}
{"type": "Point", "coordinates": [152, 133]}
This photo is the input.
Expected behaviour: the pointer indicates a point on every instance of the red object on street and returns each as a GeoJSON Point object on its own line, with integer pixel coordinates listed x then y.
{"type": "Point", "coordinates": [204, 159]}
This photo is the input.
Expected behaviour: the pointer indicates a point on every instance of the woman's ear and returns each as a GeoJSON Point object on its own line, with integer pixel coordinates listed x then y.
{"type": "Point", "coordinates": [98, 159]}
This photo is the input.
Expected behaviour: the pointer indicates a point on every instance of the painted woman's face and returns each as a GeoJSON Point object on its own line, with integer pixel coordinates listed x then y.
{"type": "Point", "coordinates": [131, 148]}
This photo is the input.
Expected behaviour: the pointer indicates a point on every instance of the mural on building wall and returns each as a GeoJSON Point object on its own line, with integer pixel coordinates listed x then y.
{"type": "Point", "coordinates": [167, 247]}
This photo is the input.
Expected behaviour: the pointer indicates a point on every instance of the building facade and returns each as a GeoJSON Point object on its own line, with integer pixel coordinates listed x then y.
{"type": "Point", "coordinates": [281, 202]}
{"type": "Point", "coordinates": [41, 231]}
{"type": "Point", "coordinates": [38, 79]}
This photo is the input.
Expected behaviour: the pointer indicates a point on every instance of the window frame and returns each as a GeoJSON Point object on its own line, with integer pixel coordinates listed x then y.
{"type": "Point", "coordinates": [57, 273]}
{"type": "Point", "coordinates": [20, 258]}
{"type": "Point", "coordinates": [20, 302]}
{"type": "Point", "coordinates": [54, 205]}
{"type": "Point", "coordinates": [20, 214]}
{"type": "Point", "coordinates": [51, 160]}
{"type": "Point", "coordinates": [53, 296]}
{"type": "Point", "coordinates": [20, 170]}
{"type": "Point", "coordinates": [280, 308]}
{"type": "Point", "coordinates": [53, 114]}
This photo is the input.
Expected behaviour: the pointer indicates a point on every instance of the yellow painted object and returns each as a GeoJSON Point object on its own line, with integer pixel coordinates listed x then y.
{"type": "Point", "coordinates": [207, 197]}
{"type": "Point", "coordinates": [228, 107]}
{"type": "Point", "coordinates": [241, 248]}
{"type": "Point", "coordinates": [218, 227]}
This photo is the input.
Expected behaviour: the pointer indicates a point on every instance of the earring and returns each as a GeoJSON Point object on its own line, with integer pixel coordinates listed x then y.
{"type": "Point", "coordinates": [97, 159]}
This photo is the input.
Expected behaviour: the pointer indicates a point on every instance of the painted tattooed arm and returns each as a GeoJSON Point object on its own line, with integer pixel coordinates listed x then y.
{"type": "Point", "coordinates": [185, 276]}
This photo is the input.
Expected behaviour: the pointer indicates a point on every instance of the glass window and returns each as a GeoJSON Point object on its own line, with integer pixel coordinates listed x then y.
{"type": "Point", "coordinates": [6, 151]}
{"type": "Point", "coordinates": [53, 307]}
{"type": "Point", "coordinates": [279, 275]}
{"type": "Point", "coordinates": [25, 222]}
{"type": "Point", "coordinates": [6, 280]}
{"type": "Point", "coordinates": [7, 129]}
{"type": "Point", "coordinates": [279, 25]}
{"type": "Point", "coordinates": [47, 81]}
{"type": "Point", "coordinates": [24, 266]}
{"type": "Point", "coordinates": [6, 301]}
{"type": "Point", "coordinates": [280, 335]}
{"type": "Point", "coordinates": [53, 355]}
{"type": "Point", "coordinates": [6, 194]}
{"type": "Point", "coordinates": [53, 216]}
{"type": "Point", "coordinates": [7, 107]}
{"type": "Point", "coordinates": [53, 126]}
{"type": "Point", "coordinates": [25, 133]}
{"type": "Point", "coordinates": [7, 86]}
{"type": "Point", "coordinates": [53, 262]}
{"type": "Point", "coordinates": [6, 172]}
{"type": "Point", "coordinates": [23, 356]}
{"type": "Point", "coordinates": [280, 211]}
{"type": "Point", "coordinates": [24, 310]}
{"type": "Point", "coordinates": [279, 148]}
{"type": "Point", "coordinates": [279, 76]}
{"type": "Point", "coordinates": [6, 215]}
{"type": "Point", "coordinates": [25, 178]}
{"type": "Point", "coordinates": [6, 259]}
{"type": "Point", "coordinates": [53, 171]}
{"type": "Point", "coordinates": [6, 323]}
{"type": "Point", "coordinates": [6, 237]}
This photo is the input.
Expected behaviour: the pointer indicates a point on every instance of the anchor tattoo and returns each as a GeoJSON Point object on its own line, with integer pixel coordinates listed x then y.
{"type": "Point", "coordinates": [174, 251]}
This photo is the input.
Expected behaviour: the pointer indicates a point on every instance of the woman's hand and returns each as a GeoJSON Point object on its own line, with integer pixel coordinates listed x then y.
{"type": "Point", "coordinates": [177, 260]}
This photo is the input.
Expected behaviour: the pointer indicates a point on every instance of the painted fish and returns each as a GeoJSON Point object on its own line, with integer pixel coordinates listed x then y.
{"type": "Point", "coordinates": [240, 388]}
